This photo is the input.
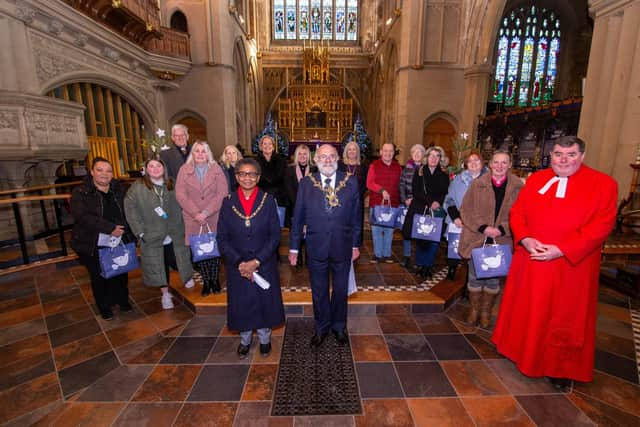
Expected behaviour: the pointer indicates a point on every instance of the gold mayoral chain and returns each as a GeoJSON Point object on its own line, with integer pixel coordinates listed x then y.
{"type": "Point", "coordinates": [329, 193]}
{"type": "Point", "coordinates": [248, 218]}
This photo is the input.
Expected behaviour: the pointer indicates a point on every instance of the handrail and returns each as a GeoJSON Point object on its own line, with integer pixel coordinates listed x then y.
{"type": "Point", "coordinates": [34, 198]}
{"type": "Point", "coordinates": [39, 188]}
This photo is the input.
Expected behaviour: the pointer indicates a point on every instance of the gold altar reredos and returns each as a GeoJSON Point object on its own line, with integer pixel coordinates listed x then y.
{"type": "Point", "coordinates": [315, 106]}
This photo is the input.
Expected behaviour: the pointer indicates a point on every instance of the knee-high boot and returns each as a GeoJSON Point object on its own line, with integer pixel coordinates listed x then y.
{"type": "Point", "coordinates": [475, 296]}
{"type": "Point", "coordinates": [206, 281]}
{"type": "Point", "coordinates": [486, 306]}
{"type": "Point", "coordinates": [215, 276]}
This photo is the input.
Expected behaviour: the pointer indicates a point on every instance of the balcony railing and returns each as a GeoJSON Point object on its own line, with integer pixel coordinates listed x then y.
{"type": "Point", "coordinates": [173, 43]}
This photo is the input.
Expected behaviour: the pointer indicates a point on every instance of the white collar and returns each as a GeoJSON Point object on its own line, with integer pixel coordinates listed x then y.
{"type": "Point", "coordinates": [561, 190]}
{"type": "Point", "coordinates": [332, 178]}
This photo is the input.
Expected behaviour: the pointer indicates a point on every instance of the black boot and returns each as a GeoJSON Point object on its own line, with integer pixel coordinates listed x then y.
{"type": "Point", "coordinates": [216, 286]}
{"type": "Point", "coordinates": [451, 274]}
{"type": "Point", "coordinates": [406, 262]}
{"type": "Point", "coordinates": [206, 288]}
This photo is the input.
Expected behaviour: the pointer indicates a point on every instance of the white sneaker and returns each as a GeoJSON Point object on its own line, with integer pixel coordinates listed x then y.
{"type": "Point", "coordinates": [167, 302]}
{"type": "Point", "coordinates": [190, 284]}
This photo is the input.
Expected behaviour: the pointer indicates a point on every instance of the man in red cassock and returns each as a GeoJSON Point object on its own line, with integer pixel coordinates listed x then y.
{"type": "Point", "coordinates": [562, 217]}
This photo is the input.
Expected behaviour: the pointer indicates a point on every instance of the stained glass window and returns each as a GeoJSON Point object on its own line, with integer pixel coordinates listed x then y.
{"type": "Point", "coordinates": [315, 20]}
{"type": "Point", "coordinates": [527, 51]}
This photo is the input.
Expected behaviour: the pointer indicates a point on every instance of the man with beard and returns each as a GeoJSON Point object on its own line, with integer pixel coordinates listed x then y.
{"type": "Point", "coordinates": [328, 204]}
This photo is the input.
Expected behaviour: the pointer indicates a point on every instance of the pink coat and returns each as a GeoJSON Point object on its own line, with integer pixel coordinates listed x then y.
{"type": "Point", "coordinates": [194, 197]}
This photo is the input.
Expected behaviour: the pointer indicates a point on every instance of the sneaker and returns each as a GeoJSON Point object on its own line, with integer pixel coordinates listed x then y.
{"type": "Point", "coordinates": [190, 284]}
{"type": "Point", "coordinates": [389, 260]}
{"type": "Point", "coordinates": [107, 314]}
{"type": "Point", "coordinates": [374, 260]}
{"type": "Point", "coordinates": [167, 302]}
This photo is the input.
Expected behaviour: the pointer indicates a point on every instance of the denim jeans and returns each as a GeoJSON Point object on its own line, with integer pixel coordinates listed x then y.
{"type": "Point", "coordinates": [264, 336]}
{"type": "Point", "coordinates": [382, 238]}
{"type": "Point", "coordinates": [426, 252]}
{"type": "Point", "coordinates": [406, 248]}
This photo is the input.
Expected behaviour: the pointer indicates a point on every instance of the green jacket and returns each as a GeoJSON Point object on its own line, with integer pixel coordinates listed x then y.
{"type": "Point", "coordinates": [139, 205]}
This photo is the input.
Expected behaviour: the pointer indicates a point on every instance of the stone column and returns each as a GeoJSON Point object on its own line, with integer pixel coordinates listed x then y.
{"type": "Point", "coordinates": [611, 110]}
{"type": "Point", "coordinates": [476, 89]}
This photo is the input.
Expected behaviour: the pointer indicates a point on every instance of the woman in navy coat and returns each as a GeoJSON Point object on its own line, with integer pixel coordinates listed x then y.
{"type": "Point", "coordinates": [248, 238]}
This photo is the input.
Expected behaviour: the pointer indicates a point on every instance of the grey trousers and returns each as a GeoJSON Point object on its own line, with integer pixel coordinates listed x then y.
{"type": "Point", "coordinates": [264, 336]}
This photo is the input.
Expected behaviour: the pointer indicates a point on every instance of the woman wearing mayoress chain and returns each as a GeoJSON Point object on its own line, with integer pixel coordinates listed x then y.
{"type": "Point", "coordinates": [248, 238]}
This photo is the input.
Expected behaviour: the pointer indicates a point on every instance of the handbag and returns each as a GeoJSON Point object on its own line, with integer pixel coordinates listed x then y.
{"type": "Point", "coordinates": [203, 245]}
{"type": "Point", "coordinates": [384, 215]}
{"type": "Point", "coordinates": [119, 260]}
{"type": "Point", "coordinates": [491, 260]}
{"type": "Point", "coordinates": [452, 246]}
{"type": "Point", "coordinates": [401, 217]}
{"type": "Point", "coordinates": [426, 227]}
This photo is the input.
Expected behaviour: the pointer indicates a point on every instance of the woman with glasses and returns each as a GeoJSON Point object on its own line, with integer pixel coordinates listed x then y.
{"type": "Point", "coordinates": [248, 238]}
{"type": "Point", "coordinates": [429, 188]}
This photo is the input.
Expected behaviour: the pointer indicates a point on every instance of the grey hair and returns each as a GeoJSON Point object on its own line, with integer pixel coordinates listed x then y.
{"type": "Point", "coordinates": [180, 126]}
{"type": "Point", "coordinates": [417, 147]}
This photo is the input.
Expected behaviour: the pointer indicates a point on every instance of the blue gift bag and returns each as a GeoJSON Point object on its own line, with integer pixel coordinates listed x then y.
{"type": "Point", "coordinates": [426, 227]}
{"type": "Point", "coordinates": [119, 260]}
{"type": "Point", "coordinates": [491, 260]}
{"type": "Point", "coordinates": [452, 247]}
{"type": "Point", "coordinates": [402, 214]}
{"type": "Point", "coordinates": [203, 245]}
{"type": "Point", "coordinates": [384, 215]}
{"type": "Point", "coordinates": [281, 215]}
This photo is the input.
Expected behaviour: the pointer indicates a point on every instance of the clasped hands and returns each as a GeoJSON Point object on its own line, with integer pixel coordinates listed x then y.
{"type": "Point", "coordinates": [540, 251]}
{"type": "Point", "coordinates": [247, 268]}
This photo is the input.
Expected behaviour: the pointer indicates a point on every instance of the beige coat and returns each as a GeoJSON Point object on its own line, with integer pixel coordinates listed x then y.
{"type": "Point", "coordinates": [195, 197]}
{"type": "Point", "coordinates": [478, 208]}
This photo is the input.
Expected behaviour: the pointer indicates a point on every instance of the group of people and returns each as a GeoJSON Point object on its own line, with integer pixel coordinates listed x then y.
{"type": "Point", "coordinates": [555, 223]}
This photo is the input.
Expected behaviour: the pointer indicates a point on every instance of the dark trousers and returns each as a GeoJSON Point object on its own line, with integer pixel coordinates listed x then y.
{"type": "Point", "coordinates": [106, 292]}
{"type": "Point", "coordinates": [329, 309]}
{"type": "Point", "coordinates": [169, 260]}
{"type": "Point", "coordinates": [209, 270]}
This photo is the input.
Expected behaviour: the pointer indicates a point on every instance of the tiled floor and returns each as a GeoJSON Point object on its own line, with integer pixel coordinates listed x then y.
{"type": "Point", "coordinates": [62, 365]}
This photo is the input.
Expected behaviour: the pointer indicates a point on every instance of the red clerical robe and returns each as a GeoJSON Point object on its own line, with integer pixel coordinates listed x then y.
{"type": "Point", "coordinates": [546, 323]}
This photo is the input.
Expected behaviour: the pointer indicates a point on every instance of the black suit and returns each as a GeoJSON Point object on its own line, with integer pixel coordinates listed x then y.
{"type": "Point", "coordinates": [174, 159]}
{"type": "Point", "coordinates": [331, 236]}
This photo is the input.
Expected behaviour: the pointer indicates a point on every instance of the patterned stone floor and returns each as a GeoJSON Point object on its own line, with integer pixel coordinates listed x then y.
{"type": "Point", "coordinates": [60, 364]}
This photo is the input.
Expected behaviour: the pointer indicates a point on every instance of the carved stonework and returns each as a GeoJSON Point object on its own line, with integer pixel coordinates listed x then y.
{"type": "Point", "coordinates": [80, 40]}
{"type": "Point", "coordinates": [111, 54]}
{"type": "Point", "coordinates": [9, 120]}
{"type": "Point", "coordinates": [25, 14]}
{"type": "Point", "coordinates": [49, 66]}
{"type": "Point", "coordinates": [55, 27]}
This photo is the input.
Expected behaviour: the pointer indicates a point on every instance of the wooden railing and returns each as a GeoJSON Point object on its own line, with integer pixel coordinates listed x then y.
{"type": "Point", "coordinates": [173, 43]}
{"type": "Point", "coordinates": [106, 147]}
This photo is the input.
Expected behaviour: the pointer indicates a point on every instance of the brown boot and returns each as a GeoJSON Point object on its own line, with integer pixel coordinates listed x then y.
{"type": "Point", "coordinates": [474, 311]}
{"type": "Point", "coordinates": [486, 306]}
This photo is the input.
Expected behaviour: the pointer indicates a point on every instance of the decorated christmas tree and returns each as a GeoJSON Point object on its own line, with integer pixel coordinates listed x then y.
{"type": "Point", "coordinates": [359, 134]}
{"type": "Point", "coordinates": [271, 129]}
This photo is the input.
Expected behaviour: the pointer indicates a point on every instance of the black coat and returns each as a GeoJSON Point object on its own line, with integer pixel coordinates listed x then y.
{"type": "Point", "coordinates": [173, 160]}
{"type": "Point", "coordinates": [249, 306]}
{"type": "Point", "coordinates": [88, 216]}
{"type": "Point", "coordinates": [272, 177]}
{"type": "Point", "coordinates": [426, 188]}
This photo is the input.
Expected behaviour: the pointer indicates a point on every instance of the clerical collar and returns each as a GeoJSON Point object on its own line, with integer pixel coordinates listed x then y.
{"type": "Point", "coordinates": [498, 182]}
{"type": "Point", "coordinates": [561, 189]}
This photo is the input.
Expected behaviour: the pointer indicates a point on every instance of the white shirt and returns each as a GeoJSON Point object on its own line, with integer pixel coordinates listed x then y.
{"type": "Point", "coordinates": [332, 178]}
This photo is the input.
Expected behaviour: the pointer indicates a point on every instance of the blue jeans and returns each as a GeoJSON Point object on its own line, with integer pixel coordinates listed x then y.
{"type": "Point", "coordinates": [426, 252]}
{"type": "Point", "coordinates": [406, 248]}
{"type": "Point", "coordinates": [382, 238]}
{"type": "Point", "coordinates": [264, 336]}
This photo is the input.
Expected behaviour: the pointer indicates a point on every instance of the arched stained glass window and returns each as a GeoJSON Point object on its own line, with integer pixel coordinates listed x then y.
{"type": "Point", "coordinates": [335, 20]}
{"type": "Point", "coordinates": [527, 57]}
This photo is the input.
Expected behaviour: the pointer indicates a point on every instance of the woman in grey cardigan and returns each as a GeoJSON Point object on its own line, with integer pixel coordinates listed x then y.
{"type": "Point", "coordinates": [406, 193]}
{"type": "Point", "coordinates": [155, 218]}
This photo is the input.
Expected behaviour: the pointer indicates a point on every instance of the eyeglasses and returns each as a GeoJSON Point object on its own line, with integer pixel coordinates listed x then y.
{"type": "Point", "coordinates": [252, 175]}
{"type": "Point", "coordinates": [324, 157]}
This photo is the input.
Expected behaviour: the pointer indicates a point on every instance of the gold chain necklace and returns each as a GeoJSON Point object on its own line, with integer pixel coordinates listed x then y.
{"type": "Point", "coordinates": [248, 218]}
{"type": "Point", "coordinates": [329, 193]}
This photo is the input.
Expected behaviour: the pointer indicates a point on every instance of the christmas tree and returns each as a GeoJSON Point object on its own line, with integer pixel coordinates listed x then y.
{"type": "Point", "coordinates": [359, 134]}
{"type": "Point", "coordinates": [271, 129]}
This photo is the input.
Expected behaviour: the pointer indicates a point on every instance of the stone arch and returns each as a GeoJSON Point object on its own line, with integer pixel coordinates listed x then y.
{"type": "Point", "coordinates": [144, 106]}
{"type": "Point", "coordinates": [440, 129]}
{"type": "Point", "coordinates": [193, 120]}
{"type": "Point", "coordinates": [178, 21]}
{"type": "Point", "coordinates": [243, 75]}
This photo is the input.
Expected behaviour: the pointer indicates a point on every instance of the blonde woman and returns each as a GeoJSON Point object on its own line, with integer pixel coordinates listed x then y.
{"type": "Point", "coordinates": [353, 163]}
{"type": "Point", "coordinates": [228, 159]}
{"type": "Point", "coordinates": [200, 189]}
